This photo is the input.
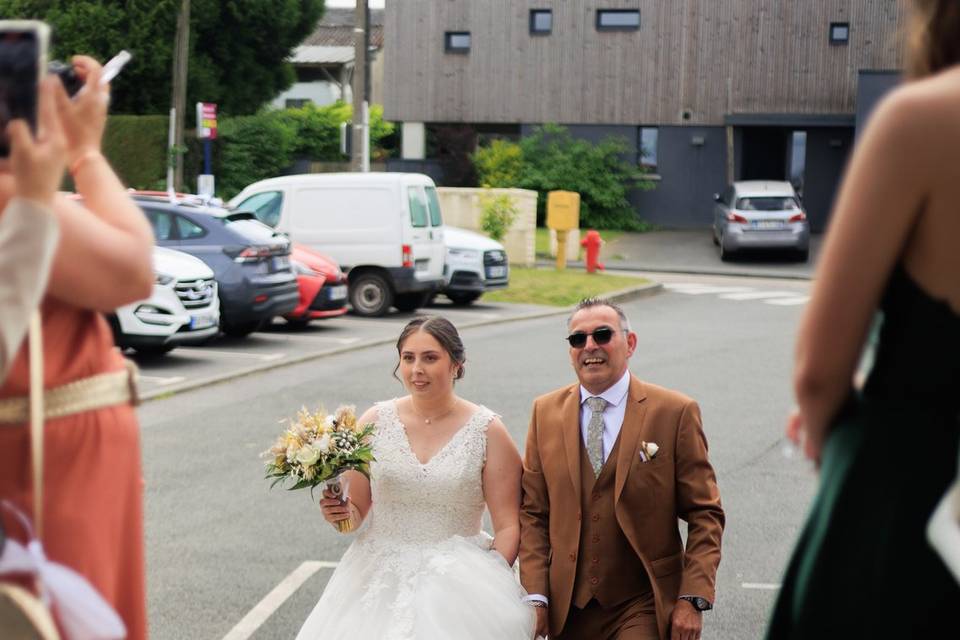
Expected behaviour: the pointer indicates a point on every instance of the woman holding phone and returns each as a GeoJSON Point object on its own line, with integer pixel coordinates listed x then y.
{"type": "Point", "coordinates": [92, 512]}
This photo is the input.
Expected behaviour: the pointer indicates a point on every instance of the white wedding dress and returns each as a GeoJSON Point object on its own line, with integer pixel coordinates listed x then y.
{"type": "Point", "coordinates": [421, 568]}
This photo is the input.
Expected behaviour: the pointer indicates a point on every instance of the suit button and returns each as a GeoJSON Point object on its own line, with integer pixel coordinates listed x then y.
{"type": "Point", "coordinates": [596, 538]}
{"type": "Point", "coordinates": [594, 580]}
{"type": "Point", "coordinates": [596, 496]}
{"type": "Point", "coordinates": [594, 559]}
{"type": "Point", "coordinates": [573, 557]}
{"type": "Point", "coordinates": [578, 516]}
{"type": "Point", "coordinates": [595, 517]}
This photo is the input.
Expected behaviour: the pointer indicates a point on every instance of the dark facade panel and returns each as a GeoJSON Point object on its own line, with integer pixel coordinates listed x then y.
{"type": "Point", "coordinates": [871, 87]}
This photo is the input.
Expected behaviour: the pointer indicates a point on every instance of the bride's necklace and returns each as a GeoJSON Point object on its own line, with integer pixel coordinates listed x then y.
{"type": "Point", "coordinates": [430, 419]}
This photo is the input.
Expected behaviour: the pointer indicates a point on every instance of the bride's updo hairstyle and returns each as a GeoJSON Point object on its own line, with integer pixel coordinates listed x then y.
{"type": "Point", "coordinates": [443, 332]}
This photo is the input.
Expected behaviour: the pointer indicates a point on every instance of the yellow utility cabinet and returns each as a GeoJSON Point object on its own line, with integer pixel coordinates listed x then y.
{"type": "Point", "coordinates": [563, 215]}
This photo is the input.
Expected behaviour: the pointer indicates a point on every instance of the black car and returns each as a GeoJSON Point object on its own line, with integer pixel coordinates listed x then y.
{"type": "Point", "coordinates": [250, 261]}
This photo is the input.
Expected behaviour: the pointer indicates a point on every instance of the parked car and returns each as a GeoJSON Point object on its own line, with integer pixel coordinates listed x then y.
{"type": "Point", "coordinates": [184, 307]}
{"type": "Point", "coordinates": [384, 229]}
{"type": "Point", "coordinates": [250, 261]}
{"type": "Point", "coordinates": [475, 264]}
{"type": "Point", "coordinates": [760, 214]}
{"type": "Point", "coordinates": [322, 286]}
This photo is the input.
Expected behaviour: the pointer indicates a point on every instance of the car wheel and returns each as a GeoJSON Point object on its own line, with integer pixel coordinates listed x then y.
{"type": "Point", "coordinates": [463, 299]}
{"type": "Point", "coordinates": [155, 350]}
{"type": "Point", "coordinates": [725, 254]}
{"type": "Point", "coordinates": [410, 301]}
{"type": "Point", "coordinates": [241, 329]}
{"type": "Point", "coordinates": [370, 295]}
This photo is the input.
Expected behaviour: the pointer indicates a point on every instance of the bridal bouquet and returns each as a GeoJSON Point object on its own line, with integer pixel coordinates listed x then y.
{"type": "Point", "coordinates": [317, 447]}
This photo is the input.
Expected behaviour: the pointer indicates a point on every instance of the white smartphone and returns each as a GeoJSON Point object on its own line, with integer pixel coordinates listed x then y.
{"type": "Point", "coordinates": [23, 62]}
{"type": "Point", "coordinates": [114, 65]}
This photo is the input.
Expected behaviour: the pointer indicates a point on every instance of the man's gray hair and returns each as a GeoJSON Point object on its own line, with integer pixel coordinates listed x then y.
{"type": "Point", "coordinates": [588, 303]}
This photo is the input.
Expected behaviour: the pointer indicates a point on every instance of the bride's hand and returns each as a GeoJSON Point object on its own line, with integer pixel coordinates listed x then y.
{"type": "Point", "coordinates": [334, 510]}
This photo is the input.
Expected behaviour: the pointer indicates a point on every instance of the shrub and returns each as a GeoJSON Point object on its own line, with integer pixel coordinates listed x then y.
{"type": "Point", "coordinates": [497, 214]}
{"type": "Point", "coordinates": [137, 148]}
{"type": "Point", "coordinates": [252, 148]}
{"type": "Point", "coordinates": [551, 159]}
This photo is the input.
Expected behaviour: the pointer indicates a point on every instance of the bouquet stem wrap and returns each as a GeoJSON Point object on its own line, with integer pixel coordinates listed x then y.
{"type": "Point", "coordinates": [337, 485]}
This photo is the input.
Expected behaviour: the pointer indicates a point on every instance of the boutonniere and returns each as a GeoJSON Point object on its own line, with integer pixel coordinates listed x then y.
{"type": "Point", "coordinates": [648, 451]}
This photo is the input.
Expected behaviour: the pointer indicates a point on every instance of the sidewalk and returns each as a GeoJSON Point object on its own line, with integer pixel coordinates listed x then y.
{"type": "Point", "coordinates": [694, 252]}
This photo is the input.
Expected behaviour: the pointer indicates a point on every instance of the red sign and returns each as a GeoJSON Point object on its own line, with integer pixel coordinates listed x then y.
{"type": "Point", "coordinates": [206, 120]}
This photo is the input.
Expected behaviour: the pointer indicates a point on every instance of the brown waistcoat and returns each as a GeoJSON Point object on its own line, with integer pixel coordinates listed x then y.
{"type": "Point", "coordinates": [608, 568]}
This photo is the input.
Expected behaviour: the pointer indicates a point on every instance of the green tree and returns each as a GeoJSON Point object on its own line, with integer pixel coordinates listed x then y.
{"type": "Point", "coordinates": [238, 47]}
{"type": "Point", "coordinates": [551, 159]}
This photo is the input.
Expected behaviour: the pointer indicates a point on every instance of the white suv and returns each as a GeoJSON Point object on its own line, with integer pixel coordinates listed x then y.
{"type": "Point", "coordinates": [183, 309]}
{"type": "Point", "coordinates": [475, 264]}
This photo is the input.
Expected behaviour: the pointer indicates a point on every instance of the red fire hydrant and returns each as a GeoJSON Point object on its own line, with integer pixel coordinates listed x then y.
{"type": "Point", "coordinates": [592, 243]}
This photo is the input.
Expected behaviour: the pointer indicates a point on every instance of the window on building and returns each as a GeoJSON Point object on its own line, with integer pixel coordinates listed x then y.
{"type": "Point", "coordinates": [618, 19]}
{"type": "Point", "coordinates": [839, 32]}
{"type": "Point", "coordinates": [648, 147]}
{"type": "Point", "coordinates": [541, 21]}
{"type": "Point", "coordinates": [798, 160]}
{"type": "Point", "coordinates": [457, 41]}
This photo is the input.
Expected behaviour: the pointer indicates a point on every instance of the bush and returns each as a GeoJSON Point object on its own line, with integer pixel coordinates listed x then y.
{"type": "Point", "coordinates": [318, 130]}
{"type": "Point", "coordinates": [497, 214]}
{"type": "Point", "coordinates": [551, 159]}
{"type": "Point", "coordinates": [137, 148]}
{"type": "Point", "coordinates": [253, 148]}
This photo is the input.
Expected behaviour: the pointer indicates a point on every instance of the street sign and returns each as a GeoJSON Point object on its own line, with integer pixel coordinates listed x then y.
{"type": "Point", "coordinates": [207, 120]}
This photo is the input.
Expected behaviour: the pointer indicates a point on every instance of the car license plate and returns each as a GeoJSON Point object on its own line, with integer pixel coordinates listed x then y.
{"type": "Point", "coordinates": [767, 225]}
{"type": "Point", "coordinates": [280, 263]}
{"type": "Point", "coordinates": [202, 322]}
{"type": "Point", "coordinates": [496, 272]}
{"type": "Point", "coordinates": [338, 292]}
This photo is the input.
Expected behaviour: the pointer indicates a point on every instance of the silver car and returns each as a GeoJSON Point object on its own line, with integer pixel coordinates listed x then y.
{"type": "Point", "coordinates": [760, 214]}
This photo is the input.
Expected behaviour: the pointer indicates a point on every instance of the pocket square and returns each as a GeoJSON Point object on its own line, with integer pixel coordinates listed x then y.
{"type": "Point", "coordinates": [648, 451]}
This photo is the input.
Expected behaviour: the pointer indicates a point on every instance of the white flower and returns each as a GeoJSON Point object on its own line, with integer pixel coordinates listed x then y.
{"type": "Point", "coordinates": [308, 455]}
{"type": "Point", "coordinates": [323, 444]}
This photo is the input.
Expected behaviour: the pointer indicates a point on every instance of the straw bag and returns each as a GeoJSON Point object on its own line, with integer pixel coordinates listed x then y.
{"type": "Point", "coordinates": [81, 612]}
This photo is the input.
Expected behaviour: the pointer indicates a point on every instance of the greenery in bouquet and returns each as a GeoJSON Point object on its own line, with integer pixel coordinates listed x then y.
{"type": "Point", "coordinates": [317, 447]}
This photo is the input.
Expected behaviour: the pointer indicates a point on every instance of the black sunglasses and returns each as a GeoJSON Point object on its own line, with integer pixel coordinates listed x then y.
{"type": "Point", "coordinates": [578, 339]}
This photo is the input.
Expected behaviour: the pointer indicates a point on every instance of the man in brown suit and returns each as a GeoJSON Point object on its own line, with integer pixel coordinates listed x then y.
{"type": "Point", "coordinates": [610, 465]}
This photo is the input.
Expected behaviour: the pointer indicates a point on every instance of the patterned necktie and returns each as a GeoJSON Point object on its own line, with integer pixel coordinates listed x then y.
{"type": "Point", "coordinates": [595, 433]}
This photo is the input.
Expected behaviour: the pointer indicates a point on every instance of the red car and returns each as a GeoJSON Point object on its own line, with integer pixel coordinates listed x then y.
{"type": "Point", "coordinates": [323, 287]}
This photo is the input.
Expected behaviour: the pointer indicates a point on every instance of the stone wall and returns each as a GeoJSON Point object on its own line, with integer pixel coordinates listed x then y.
{"type": "Point", "coordinates": [461, 208]}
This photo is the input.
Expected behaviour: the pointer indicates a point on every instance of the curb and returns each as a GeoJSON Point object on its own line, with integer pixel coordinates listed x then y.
{"type": "Point", "coordinates": [623, 295]}
{"type": "Point", "coordinates": [612, 266]}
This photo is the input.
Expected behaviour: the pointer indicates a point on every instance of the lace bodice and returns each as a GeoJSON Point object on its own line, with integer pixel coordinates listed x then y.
{"type": "Point", "coordinates": [423, 504]}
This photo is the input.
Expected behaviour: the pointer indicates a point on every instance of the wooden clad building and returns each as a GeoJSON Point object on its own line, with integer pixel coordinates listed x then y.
{"type": "Point", "coordinates": [721, 89]}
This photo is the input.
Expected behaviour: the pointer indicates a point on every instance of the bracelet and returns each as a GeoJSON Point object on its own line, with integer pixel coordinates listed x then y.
{"type": "Point", "coordinates": [537, 604]}
{"type": "Point", "coordinates": [89, 154]}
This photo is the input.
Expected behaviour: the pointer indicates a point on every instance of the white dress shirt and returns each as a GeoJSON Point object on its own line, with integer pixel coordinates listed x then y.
{"type": "Point", "coordinates": [612, 415]}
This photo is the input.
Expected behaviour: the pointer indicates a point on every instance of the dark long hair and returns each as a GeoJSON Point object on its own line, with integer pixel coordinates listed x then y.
{"type": "Point", "coordinates": [443, 332]}
{"type": "Point", "coordinates": [933, 37]}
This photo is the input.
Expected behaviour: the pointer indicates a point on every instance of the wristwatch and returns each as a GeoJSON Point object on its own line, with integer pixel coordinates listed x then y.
{"type": "Point", "coordinates": [700, 604]}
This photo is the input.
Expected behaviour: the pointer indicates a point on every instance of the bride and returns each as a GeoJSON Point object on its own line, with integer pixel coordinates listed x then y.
{"type": "Point", "coordinates": [421, 568]}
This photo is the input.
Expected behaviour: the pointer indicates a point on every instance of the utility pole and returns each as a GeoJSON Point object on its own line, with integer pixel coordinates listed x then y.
{"type": "Point", "coordinates": [361, 114]}
{"type": "Point", "coordinates": [181, 53]}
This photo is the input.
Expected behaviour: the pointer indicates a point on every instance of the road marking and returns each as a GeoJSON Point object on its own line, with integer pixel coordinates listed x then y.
{"type": "Point", "coordinates": [273, 600]}
{"type": "Point", "coordinates": [763, 586]}
{"type": "Point", "coordinates": [758, 295]}
{"type": "Point", "coordinates": [694, 289]}
{"type": "Point", "coordinates": [786, 302]}
{"type": "Point", "coordinates": [238, 354]}
{"type": "Point", "coordinates": [160, 380]}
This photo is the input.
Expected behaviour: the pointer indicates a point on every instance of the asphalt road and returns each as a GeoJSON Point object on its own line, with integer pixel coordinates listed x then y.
{"type": "Point", "coordinates": [228, 558]}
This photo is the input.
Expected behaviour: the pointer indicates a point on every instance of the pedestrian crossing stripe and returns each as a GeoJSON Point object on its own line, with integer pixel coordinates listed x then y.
{"type": "Point", "coordinates": [740, 294]}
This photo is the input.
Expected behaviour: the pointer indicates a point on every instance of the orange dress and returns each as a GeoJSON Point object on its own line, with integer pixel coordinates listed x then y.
{"type": "Point", "coordinates": [93, 482]}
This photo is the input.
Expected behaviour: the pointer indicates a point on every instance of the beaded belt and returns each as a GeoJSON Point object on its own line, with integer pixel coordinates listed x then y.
{"type": "Point", "coordinates": [87, 394]}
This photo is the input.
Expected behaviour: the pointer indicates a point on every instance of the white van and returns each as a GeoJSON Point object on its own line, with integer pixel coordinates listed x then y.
{"type": "Point", "coordinates": [384, 229]}
{"type": "Point", "coordinates": [184, 307]}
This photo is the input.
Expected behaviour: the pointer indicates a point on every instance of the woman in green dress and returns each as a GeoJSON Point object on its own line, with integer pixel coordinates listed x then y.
{"type": "Point", "coordinates": [887, 452]}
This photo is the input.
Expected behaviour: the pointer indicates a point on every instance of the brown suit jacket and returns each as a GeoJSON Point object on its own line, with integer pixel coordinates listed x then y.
{"type": "Point", "coordinates": [648, 498]}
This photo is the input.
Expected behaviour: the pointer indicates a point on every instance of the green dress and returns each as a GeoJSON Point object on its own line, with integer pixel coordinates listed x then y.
{"type": "Point", "coordinates": [862, 567]}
